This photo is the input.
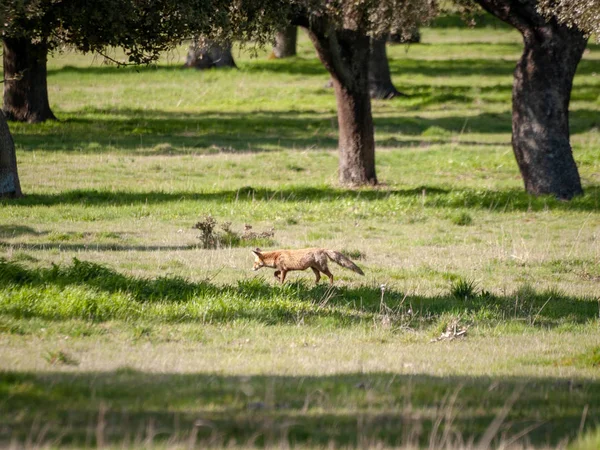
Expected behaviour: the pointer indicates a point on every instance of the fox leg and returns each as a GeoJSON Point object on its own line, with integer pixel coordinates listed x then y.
{"type": "Point", "coordinates": [329, 274]}
{"type": "Point", "coordinates": [276, 274]}
{"type": "Point", "coordinates": [317, 274]}
{"type": "Point", "coordinates": [282, 276]}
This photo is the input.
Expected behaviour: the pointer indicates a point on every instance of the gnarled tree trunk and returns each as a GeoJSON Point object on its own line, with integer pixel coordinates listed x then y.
{"type": "Point", "coordinates": [345, 54]}
{"type": "Point", "coordinates": [542, 85]}
{"type": "Point", "coordinates": [206, 54]}
{"type": "Point", "coordinates": [380, 80]}
{"type": "Point", "coordinates": [25, 85]}
{"type": "Point", "coordinates": [285, 42]}
{"type": "Point", "coordinates": [9, 178]}
{"type": "Point", "coordinates": [541, 95]}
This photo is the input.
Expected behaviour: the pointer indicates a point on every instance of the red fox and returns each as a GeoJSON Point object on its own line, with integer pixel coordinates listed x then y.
{"type": "Point", "coordinates": [302, 259]}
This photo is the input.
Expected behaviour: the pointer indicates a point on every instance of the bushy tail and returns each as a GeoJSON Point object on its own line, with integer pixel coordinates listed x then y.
{"type": "Point", "coordinates": [343, 261]}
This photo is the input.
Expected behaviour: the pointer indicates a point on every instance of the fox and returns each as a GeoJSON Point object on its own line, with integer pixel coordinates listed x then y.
{"type": "Point", "coordinates": [302, 259]}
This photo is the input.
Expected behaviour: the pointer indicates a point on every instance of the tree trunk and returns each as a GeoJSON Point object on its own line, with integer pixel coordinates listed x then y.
{"type": "Point", "coordinates": [9, 178]}
{"type": "Point", "coordinates": [345, 54]}
{"type": "Point", "coordinates": [380, 80]}
{"type": "Point", "coordinates": [25, 84]}
{"type": "Point", "coordinates": [541, 94]}
{"type": "Point", "coordinates": [542, 85]}
{"type": "Point", "coordinates": [206, 54]}
{"type": "Point", "coordinates": [285, 42]}
{"type": "Point", "coordinates": [356, 136]}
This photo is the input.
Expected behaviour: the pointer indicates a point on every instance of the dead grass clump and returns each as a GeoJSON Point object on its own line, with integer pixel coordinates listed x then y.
{"type": "Point", "coordinates": [211, 238]}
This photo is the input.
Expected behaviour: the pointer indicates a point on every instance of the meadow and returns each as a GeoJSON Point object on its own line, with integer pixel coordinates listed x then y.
{"type": "Point", "coordinates": [475, 326]}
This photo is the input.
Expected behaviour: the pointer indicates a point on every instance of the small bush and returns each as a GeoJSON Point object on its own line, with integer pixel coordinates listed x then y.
{"type": "Point", "coordinates": [212, 238]}
{"type": "Point", "coordinates": [462, 219]}
{"type": "Point", "coordinates": [463, 289]}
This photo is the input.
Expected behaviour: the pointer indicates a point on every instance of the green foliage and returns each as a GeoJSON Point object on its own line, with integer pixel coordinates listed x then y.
{"type": "Point", "coordinates": [462, 219]}
{"type": "Point", "coordinates": [582, 14]}
{"type": "Point", "coordinates": [463, 289]}
{"type": "Point", "coordinates": [143, 29]}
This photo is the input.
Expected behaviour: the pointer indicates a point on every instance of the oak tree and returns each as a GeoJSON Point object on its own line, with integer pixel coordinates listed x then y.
{"type": "Point", "coordinates": [543, 80]}
{"type": "Point", "coordinates": [340, 31]}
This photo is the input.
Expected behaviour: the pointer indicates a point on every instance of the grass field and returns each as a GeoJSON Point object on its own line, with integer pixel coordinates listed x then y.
{"type": "Point", "coordinates": [118, 329]}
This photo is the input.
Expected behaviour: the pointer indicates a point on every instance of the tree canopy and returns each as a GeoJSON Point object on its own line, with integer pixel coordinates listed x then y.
{"type": "Point", "coordinates": [142, 28]}
{"type": "Point", "coordinates": [583, 14]}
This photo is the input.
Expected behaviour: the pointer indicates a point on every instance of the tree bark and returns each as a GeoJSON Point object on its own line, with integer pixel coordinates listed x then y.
{"type": "Point", "coordinates": [206, 54]}
{"type": "Point", "coordinates": [25, 83]}
{"type": "Point", "coordinates": [380, 80]}
{"type": "Point", "coordinates": [9, 177]}
{"type": "Point", "coordinates": [285, 42]}
{"type": "Point", "coordinates": [543, 81]}
{"type": "Point", "coordinates": [345, 54]}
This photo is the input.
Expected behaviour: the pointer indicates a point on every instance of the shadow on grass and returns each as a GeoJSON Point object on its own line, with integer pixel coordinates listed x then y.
{"type": "Point", "coordinates": [493, 66]}
{"type": "Point", "coordinates": [163, 132]}
{"type": "Point", "coordinates": [508, 200]}
{"type": "Point", "coordinates": [17, 230]}
{"type": "Point", "coordinates": [357, 410]}
{"type": "Point", "coordinates": [97, 247]}
{"type": "Point", "coordinates": [109, 295]}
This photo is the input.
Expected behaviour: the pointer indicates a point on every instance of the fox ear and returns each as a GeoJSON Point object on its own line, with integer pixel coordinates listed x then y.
{"type": "Point", "coordinates": [257, 252]}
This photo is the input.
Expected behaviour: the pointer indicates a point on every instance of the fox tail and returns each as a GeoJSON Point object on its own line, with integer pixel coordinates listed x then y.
{"type": "Point", "coordinates": [343, 261]}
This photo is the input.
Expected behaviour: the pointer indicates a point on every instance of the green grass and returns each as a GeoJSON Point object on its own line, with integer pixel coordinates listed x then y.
{"type": "Point", "coordinates": [118, 329]}
{"type": "Point", "coordinates": [96, 293]}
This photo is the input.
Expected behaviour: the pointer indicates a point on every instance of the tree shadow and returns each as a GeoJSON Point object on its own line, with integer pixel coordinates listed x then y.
{"type": "Point", "coordinates": [271, 303]}
{"type": "Point", "coordinates": [358, 410]}
{"type": "Point", "coordinates": [312, 67]}
{"type": "Point", "coordinates": [493, 67]}
{"type": "Point", "coordinates": [428, 196]}
{"type": "Point", "coordinates": [7, 231]}
{"type": "Point", "coordinates": [97, 247]}
{"type": "Point", "coordinates": [164, 132]}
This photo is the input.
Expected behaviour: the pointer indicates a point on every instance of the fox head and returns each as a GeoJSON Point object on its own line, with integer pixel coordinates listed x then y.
{"type": "Point", "coordinates": [259, 263]}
